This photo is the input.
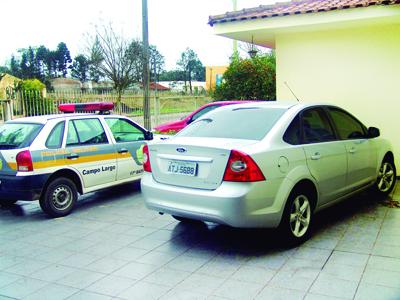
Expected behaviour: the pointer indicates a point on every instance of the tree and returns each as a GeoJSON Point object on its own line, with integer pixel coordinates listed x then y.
{"type": "Point", "coordinates": [51, 64]}
{"type": "Point", "coordinates": [40, 61]}
{"type": "Point", "coordinates": [135, 52]}
{"type": "Point", "coordinates": [14, 67]}
{"type": "Point", "coordinates": [80, 68]}
{"type": "Point", "coordinates": [252, 78]}
{"type": "Point", "coordinates": [190, 65]}
{"type": "Point", "coordinates": [95, 59]}
{"type": "Point", "coordinates": [157, 62]}
{"type": "Point", "coordinates": [27, 68]}
{"type": "Point", "coordinates": [173, 75]}
{"type": "Point", "coordinates": [4, 69]}
{"type": "Point", "coordinates": [24, 66]}
{"type": "Point", "coordinates": [199, 71]}
{"type": "Point", "coordinates": [113, 60]}
{"type": "Point", "coordinates": [63, 59]}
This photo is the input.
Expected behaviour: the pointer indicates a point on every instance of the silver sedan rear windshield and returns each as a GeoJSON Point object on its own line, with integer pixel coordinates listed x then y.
{"type": "Point", "coordinates": [18, 135]}
{"type": "Point", "coordinates": [248, 123]}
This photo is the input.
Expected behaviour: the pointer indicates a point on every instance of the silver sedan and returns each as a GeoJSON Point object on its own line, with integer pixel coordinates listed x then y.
{"type": "Point", "coordinates": [266, 164]}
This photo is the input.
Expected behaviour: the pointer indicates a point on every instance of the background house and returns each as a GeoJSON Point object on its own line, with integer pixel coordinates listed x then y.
{"type": "Point", "coordinates": [345, 52]}
{"type": "Point", "coordinates": [7, 81]}
{"type": "Point", "coordinates": [214, 76]}
{"type": "Point", "coordinates": [62, 84]}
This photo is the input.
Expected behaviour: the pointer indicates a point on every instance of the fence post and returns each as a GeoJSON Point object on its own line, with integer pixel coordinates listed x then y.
{"type": "Point", "coordinates": [156, 110]}
{"type": "Point", "coordinates": [6, 109]}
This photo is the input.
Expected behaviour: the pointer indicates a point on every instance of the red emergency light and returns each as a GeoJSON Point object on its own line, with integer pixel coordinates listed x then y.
{"type": "Point", "coordinates": [86, 107]}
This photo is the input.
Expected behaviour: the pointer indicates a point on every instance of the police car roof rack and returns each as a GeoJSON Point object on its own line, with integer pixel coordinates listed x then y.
{"type": "Point", "coordinates": [102, 107]}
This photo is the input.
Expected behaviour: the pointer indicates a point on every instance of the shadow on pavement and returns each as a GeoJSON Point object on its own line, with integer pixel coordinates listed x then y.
{"type": "Point", "coordinates": [251, 241]}
{"type": "Point", "coordinates": [85, 202]}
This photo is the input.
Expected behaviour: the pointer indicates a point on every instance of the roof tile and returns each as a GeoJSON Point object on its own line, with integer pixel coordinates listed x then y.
{"type": "Point", "coordinates": [295, 8]}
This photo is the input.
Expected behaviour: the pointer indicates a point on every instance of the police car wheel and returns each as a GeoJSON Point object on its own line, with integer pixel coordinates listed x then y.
{"type": "Point", "coordinates": [59, 198]}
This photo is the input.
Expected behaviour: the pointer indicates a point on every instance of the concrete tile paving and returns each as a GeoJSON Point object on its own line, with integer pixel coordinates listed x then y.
{"type": "Point", "coordinates": [112, 247]}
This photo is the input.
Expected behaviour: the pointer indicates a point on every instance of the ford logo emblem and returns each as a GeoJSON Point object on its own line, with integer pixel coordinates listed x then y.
{"type": "Point", "coordinates": [181, 150]}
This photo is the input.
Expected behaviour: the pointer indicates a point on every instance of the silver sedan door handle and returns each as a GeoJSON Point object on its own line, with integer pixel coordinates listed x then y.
{"type": "Point", "coordinates": [316, 156]}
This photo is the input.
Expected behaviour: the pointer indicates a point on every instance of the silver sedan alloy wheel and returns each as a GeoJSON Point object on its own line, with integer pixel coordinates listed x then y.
{"type": "Point", "coordinates": [385, 177]}
{"type": "Point", "coordinates": [300, 215]}
{"type": "Point", "coordinates": [62, 197]}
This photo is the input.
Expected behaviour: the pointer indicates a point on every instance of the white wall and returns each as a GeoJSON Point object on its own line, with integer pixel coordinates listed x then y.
{"type": "Point", "coordinates": [357, 69]}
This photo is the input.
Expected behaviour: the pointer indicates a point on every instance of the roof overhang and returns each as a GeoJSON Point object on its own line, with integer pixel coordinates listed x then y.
{"type": "Point", "coordinates": [264, 31]}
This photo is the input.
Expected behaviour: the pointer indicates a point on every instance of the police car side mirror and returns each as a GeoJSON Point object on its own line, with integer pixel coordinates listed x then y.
{"type": "Point", "coordinates": [148, 135]}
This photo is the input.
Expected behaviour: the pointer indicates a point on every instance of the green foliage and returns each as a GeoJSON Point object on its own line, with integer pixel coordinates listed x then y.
{"type": "Point", "coordinates": [3, 71]}
{"type": "Point", "coordinates": [41, 63]}
{"type": "Point", "coordinates": [14, 67]}
{"type": "Point", "coordinates": [31, 85]}
{"type": "Point", "coordinates": [173, 75]}
{"type": "Point", "coordinates": [157, 63]}
{"type": "Point", "coordinates": [252, 78]}
{"type": "Point", "coordinates": [34, 103]}
{"type": "Point", "coordinates": [191, 67]}
{"type": "Point", "coordinates": [63, 59]}
{"type": "Point", "coordinates": [80, 68]}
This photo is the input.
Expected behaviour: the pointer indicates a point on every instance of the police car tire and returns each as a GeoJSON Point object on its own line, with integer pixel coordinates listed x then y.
{"type": "Point", "coordinates": [46, 200]}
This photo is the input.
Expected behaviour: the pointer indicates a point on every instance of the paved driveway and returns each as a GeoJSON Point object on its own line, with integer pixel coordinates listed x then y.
{"type": "Point", "coordinates": [112, 247]}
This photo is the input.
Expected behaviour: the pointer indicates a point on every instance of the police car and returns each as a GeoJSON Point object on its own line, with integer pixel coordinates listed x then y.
{"type": "Point", "coordinates": [54, 158]}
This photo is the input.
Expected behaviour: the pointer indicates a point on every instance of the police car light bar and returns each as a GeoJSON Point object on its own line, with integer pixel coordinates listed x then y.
{"type": "Point", "coordinates": [85, 107]}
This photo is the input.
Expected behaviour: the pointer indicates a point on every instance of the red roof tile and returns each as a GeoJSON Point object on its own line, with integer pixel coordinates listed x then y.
{"type": "Point", "coordinates": [294, 8]}
{"type": "Point", "coordinates": [159, 87]}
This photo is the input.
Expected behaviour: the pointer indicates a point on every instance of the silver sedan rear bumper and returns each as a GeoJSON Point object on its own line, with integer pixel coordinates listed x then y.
{"type": "Point", "coordinates": [232, 203]}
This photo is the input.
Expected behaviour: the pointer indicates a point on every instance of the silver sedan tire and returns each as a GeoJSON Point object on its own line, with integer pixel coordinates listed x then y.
{"type": "Point", "coordinates": [297, 218]}
{"type": "Point", "coordinates": [386, 178]}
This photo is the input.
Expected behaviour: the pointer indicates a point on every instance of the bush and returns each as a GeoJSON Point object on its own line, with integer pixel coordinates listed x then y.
{"type": "Point", "coordinates": [32, 96]}
{"type": "Point", "coordinates": [249, 79]}
{"type": "Point", "coordinates": [31, 85]}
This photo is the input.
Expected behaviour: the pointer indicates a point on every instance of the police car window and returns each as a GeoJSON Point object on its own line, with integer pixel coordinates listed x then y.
{"type": "Point", "coordinates": [89, 131]}
{"type": "Point", "coordinates": [55, 137]}
{"type": "Point", "coordinates": [72, 136]}
{"type": "Point", "coordinates": [124, 131]}
{"type": "Point", "coordinates": [18, 135]}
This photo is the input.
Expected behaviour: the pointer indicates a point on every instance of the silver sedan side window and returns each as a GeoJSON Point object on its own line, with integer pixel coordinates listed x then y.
{"type": "Point", "coordinates": [316, 126]}
{"type": "Point", "coordinates": [347, 126]}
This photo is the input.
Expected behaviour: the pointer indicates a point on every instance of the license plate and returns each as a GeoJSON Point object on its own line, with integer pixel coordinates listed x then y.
{"type": "Point", "coordinates": [182, 168]}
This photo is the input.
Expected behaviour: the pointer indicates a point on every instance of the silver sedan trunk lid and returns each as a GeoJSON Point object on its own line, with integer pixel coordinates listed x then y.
{"type": "Point", "coordinates": [192, 162]}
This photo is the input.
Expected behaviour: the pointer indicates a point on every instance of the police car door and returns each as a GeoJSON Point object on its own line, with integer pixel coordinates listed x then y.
{"type": "Point", "coordinates": [129, 139]}
{"type": "Point", "coordinates": [90, 152]}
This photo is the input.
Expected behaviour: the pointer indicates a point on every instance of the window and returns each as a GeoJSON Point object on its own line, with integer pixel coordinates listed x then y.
{"type": "Point", "coordinates": [124, 131]}
{"type": "Point", "coordinates": [55, 138]}
{"type": "Point", "coordinates": [85, 132]}
{"type": "Point", "coordinates": [293, 132]}
{"type": "Point", "coordinates": [316, 126]}
{"type": "Point", "coordinates": [250, 123]}
{"type": "Point", "coordinates": [347, 126]}
{"type": "Point", "coordinates": [18, 135]}
{"type": "Point", "coordinates": [203, 111]}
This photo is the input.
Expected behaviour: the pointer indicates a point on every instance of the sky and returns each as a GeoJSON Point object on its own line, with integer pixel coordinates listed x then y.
{"type": "Point", "coordinates": [174, 25]}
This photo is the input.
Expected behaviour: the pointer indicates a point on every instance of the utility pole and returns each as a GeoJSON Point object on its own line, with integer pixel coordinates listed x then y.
{"type": "Point", "coordinates": [146, 70]}
{"type": "Point", "coordinates": [156, 100]}
{"type": "Point", "coordinates": [235, 44]}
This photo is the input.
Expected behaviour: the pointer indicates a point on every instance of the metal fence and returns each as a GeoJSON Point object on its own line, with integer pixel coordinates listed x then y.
{"type": "Point", "coordinates": [164, 107]}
